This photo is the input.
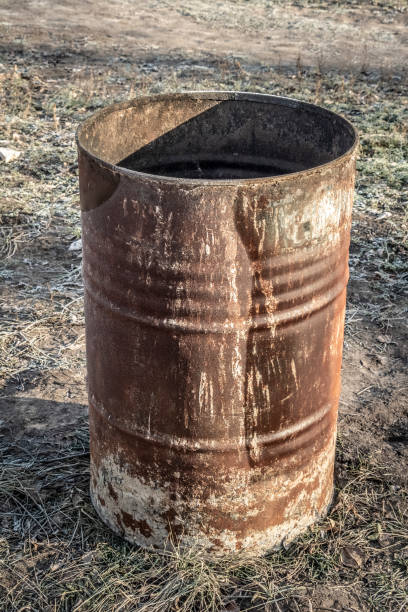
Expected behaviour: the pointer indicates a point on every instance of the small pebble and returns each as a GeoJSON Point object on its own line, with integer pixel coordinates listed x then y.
{"type": "Point", "coordinates": [8, 155]}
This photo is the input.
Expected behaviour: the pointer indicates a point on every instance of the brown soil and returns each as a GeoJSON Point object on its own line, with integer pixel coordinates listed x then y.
{"type": "Point", "coordinates": [333, 34]}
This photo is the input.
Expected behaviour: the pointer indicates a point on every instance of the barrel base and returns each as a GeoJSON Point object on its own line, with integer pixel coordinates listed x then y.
{"type": "Point", "coordinates": [252, 519]}
{"type": "Point", "coordinates": [266, 541]}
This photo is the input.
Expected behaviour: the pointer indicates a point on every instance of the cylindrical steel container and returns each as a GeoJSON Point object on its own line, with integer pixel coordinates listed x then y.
{"type": "Point", "coordinates": [215, 246]}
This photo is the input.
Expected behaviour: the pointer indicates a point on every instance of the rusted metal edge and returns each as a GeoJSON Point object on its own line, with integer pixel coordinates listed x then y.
{"type": "Point", "coordinates": [221, 96]}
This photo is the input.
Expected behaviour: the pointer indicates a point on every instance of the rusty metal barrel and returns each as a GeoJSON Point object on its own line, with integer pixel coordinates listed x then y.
{"type": "Point", "coordinates": [215, 261]}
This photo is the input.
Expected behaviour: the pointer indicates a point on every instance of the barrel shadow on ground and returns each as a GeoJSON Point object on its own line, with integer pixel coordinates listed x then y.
{"type": "Point", "coordinates": [33, 424]}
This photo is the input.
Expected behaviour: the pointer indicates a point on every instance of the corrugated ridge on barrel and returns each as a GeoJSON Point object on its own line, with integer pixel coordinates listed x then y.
{"type": "Point", "coordinates": [204, 445]}
{"type": "Point", "coordinates": [164, 304]}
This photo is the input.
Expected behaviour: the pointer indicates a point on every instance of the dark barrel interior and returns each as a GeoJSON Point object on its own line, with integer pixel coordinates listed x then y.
{"type": "Point", "coordinates": [216, 136]}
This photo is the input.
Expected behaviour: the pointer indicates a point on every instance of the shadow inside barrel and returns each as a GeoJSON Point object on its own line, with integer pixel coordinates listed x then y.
{"type": "Point", "coordinates": [220, 143]}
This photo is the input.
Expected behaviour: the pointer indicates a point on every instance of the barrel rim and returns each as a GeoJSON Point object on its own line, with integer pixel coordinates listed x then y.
{"type": "Point", "coordinates": [218, 96]}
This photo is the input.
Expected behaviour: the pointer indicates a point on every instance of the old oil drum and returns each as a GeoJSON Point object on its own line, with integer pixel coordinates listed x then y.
{"type": "Point", "coordinates": [215, 261]}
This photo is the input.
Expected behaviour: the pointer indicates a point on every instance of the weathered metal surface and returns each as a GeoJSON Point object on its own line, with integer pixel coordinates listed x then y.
{"type": "Point", "coordinates": [215, 271]}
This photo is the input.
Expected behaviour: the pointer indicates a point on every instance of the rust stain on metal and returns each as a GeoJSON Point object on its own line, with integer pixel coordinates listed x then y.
{"type": "Point", "coordinates": [215, 236]}
{"type": "Point", "coordinates": [112, 492]}
{"type": "Point", "coordinates": [130, 523]}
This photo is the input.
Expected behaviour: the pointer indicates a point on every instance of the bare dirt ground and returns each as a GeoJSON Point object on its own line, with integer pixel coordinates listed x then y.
{"type": "Point", "coordinates": [59, 61]}
{"type": "Point", "coordinates": [335, 34]}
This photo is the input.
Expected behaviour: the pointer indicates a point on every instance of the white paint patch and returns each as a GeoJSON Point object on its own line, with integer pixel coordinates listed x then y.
{"type": "Point", "coordinates": [147, 503]}
{"type": "Point", "coordinates": [293, 366]}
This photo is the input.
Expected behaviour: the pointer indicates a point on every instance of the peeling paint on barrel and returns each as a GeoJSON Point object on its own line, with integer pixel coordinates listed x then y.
{"type": "Point", "coordinates": [215, 284]}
